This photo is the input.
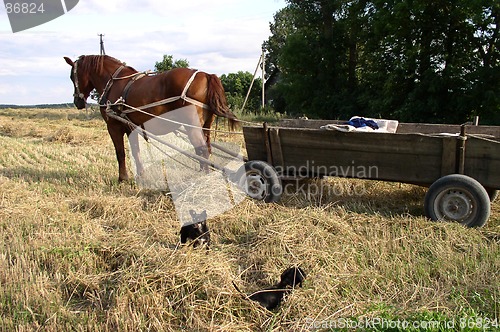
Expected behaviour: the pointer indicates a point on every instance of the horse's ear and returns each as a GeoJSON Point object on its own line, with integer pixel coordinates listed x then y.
{"type": "Point", "coordinates": [69, 61]}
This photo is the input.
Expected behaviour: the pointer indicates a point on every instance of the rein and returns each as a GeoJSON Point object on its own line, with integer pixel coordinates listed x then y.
{"type": "Point", "coordinates": [131, 109]}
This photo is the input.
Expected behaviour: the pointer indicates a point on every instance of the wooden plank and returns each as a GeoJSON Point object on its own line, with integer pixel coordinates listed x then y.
{"type": "Point", "coordinates": [361, 141]}
{"type": "Point", "coordinates": [482, 161]}
{"type": "Point", "coordinates": [367, 165]}
{"type": "Point", "coordinates": [461, 150]}
{"type": "Point", "coordinates": [484, 130]}
{"type": "Point", "coordinates": [426, 128]}
{"type": "Point", "coordinates": [449, 156]}
{"type": "Point", "coordinates": [310, 124]}
{"type": "Point", "coordinates": [277, 153]}
{"type": "Point", "coordinates": [255, 143]}
{"type": "Point", "coordinates": [267, 143]}
{"type": "Point", "coordinates": [403, 128]}
{"type": "Point", "coordinates": [405, 158]}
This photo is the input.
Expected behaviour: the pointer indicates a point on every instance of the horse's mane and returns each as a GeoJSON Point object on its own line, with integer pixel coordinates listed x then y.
{"type": "Point", "coordinates": [96, 62]}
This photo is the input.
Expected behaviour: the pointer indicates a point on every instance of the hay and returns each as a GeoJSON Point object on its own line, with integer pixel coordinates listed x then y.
{"type": "Point", "coordinates": [78, 251]}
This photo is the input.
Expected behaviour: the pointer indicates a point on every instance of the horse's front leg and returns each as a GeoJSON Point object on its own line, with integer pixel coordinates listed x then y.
{"type": "Point", "coordinates": [117, 132]}
{"type": "Point", "coordinates": [136, 152]}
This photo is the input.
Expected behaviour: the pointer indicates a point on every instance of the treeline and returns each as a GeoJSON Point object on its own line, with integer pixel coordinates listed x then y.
{"type": "Point", "coordinates": [42, 106]}
{"type": "Point", "coordinates": [236, 85]}
{"type": "Point", "coordinates": [411, 60]}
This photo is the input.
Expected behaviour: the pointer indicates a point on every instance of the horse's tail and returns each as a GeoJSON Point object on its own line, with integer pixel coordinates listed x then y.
{"type": "Point", "coordinates": [216, 100]}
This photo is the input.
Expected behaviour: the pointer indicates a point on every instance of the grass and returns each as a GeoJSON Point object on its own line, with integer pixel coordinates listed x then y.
{"type": "Point", "coordinates": [79, 251]}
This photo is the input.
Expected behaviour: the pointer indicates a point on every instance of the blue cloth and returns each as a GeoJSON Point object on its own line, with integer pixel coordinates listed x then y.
{"type": "Point", "coordinates": [362, 122]}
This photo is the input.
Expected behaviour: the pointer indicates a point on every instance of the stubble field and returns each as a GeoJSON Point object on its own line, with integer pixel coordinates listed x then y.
{"type": "Point", "coordinates": [81, 252]}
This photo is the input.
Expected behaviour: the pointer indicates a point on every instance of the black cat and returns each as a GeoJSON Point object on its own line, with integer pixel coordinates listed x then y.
{"type": "Point", "coordinates": [198, 231]}
{"type": "Point", "coordinates": [270, 298]}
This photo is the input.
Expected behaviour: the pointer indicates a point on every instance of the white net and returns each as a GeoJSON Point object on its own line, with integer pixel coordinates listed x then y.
{"type": "Point", "coordinates": [165, 166]}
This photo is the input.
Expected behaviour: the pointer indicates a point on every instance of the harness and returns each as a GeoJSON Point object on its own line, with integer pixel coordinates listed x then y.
{"type": "Point", "coordinates": [183, 95]}
{"type": "Point", "coordinates": [104, 102]}
{"type": "Point", "coordinates": [129, 84]}
{"type": "Point", "coordinates": [104, 97]}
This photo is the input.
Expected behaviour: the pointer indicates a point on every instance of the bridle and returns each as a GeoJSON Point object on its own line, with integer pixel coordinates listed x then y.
{"type": "Point", "coordinates": [79, 94]}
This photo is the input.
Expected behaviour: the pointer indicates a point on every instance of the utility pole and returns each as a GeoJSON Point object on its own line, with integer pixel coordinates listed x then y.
{"type": "Point", "coordinates": [263, 63]}
{"type": "Point", "coordinates": [251, 83]}
{"type": "Point", "coordinates": [102, 44]}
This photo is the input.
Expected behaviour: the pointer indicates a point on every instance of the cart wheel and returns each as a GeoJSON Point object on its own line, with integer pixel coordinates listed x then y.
{"type": "Point", "coordinates": [458, 198]}
{"type": "Point", "coordinates": [260, 181]}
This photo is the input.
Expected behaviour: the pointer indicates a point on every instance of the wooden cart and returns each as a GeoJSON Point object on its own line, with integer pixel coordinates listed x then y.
{"type": "Point", "coordinates": [459, 164]}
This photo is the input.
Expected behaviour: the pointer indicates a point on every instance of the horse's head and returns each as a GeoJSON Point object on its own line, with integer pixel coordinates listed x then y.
{"type": "Point", "coordinates": [81, 81]}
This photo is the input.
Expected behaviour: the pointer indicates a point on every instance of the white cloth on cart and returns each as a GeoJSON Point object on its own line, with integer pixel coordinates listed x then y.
{"type": "Point", "coordinates": [385, 126]}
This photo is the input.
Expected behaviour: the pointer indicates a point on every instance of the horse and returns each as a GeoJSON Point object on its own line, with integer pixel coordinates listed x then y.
{"type": "Point", "coordinates": [150, 96]}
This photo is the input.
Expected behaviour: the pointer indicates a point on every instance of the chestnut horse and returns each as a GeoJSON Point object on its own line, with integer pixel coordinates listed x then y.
{"type": "Point", "coordinates": [160, 93]}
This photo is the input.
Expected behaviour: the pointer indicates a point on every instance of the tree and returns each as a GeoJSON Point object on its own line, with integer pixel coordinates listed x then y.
{"type": "Point", "coordinates": [281, 28]}
{"type": "Point", "coordinates": [413, 60]}
{"type": "Point", "coordinates": [236, 86]}
{"type": "Point", "coordinates": [168, 63]}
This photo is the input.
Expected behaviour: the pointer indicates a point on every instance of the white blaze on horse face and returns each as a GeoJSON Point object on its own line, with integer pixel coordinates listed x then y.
{"type": "Point", "coordinates": [166, 162]}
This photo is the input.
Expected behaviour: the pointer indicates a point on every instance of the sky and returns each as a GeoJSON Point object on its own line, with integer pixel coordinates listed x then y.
{"type": "Point", "coordinates": [217, 36]}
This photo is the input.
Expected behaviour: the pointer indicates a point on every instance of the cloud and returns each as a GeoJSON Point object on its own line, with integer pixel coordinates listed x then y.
{"type": "Point", "coordinates": [21, 89]}
{"type": "Point", "coordinates": [162, 8]}
{"type": "Point", "coordinates": [221, 38]}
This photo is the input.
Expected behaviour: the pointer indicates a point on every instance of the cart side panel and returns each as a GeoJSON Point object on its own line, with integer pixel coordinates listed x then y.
{"type": "Point", "coordinates": [482, 161]}
{"type": "Point", "coordinates": [309, 124]}
{"type": "Point", "coordinates": [411, 158]}
{"type": "Point", "coordinates": [427, 128]}
{"type": "Point", "coordinates": [255, 142]}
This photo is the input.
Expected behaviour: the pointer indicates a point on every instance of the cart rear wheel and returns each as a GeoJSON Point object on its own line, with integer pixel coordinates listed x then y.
{"type": "Point", "coordinates": [458, 198]}
{"type": "Point", "coordinates": [260, 181]}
